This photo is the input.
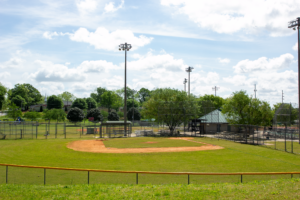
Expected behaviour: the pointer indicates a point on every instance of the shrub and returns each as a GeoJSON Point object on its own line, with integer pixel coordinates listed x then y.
{"type": "Point", "coordinates": [121, 114]}
{"type": "Point", "coordinates": [79, 103]}
{"type": "Point", "coordinates": [54, 102]}
{"type": "Point", "coordinates": [104, 114]}
{"type": "Point", "coordinates": [137, 114]}
{"type": "Point", "coordinates": [95, 113]}
{"type": "Point", "coordinates": [113, 116]}
{"type": "Point", "coordinates": [75, 115]}
{"type": "Point", "coordinates": [32, 115]}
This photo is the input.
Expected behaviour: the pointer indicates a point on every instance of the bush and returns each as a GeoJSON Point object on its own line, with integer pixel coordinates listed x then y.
{"type": "Point", "coordinates": [54, 102]}
{"type": "Point", "coordinates": [75, 115]}
{"type": "Point", "coordinates": [32, 115]}
{"type": "Point", "coordinates": [95, 113]}
{"type": "Point", "coordinates": [113, 116]}
{"type": "Point", "coordinates": [137, 114]}
{"type": "Point", "coordinates": [104, 114]}
{"type": "Point", "coordinates": [79, 103]}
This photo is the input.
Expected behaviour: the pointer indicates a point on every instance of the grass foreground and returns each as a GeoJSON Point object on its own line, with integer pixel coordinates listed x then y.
{"type": "Point", "coordinates": [274, 189]}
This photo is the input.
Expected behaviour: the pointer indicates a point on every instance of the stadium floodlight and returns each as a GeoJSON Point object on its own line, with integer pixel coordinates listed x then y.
{"type": "Point", "coordinates": [293, 24]}
{"type": "Point", "coordinates": [184, 82]}
{"type": "Point", "coordinates": [125, 47]}
{"type": "Point", "coordinates": [215, 89]}
{"type": "Point", "coordinates": [189, 70]}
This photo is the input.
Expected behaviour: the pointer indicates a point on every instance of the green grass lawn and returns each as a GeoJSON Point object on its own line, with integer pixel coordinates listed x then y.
{"type": "Point", "coordinates": [234, 157]}
{"type": "Point", "coordinates": [288, 146]}
{"type": "Point", "coordinates": [142, 143]}
{"type": "Point", "coordinates": [273, 190]}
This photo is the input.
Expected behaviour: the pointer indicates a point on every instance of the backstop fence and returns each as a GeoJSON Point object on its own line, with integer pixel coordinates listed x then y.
{"type": "Point", "coordinates": [21, 174]}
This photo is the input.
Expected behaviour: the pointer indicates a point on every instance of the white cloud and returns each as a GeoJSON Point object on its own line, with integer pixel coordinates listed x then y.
{"type": "Point", "coordinates": [49, 72]}
{"type": "Point", "coordinates": [263, 63]}
{"type": "Point", "coordinates": [224, 61]}
{"type": "Point", "coordinates": [49, 89]}
{"type": "Point", "coordinates": [110, 7]}
{"type": "Point", "coordinates": [86, 6]}
{"type": "Point", "coordinates": [96, 66]}
{"type": "Point", "coordinates": [103, 39]}
{"type": "Point", "coordinates": [49, 35]}
{"type": "Point", "coordinates": [85, 87]}
{"type": "Point", "coordinates": [233, 16]}
{"type": "Point", "coordinates": [15, 62]}
{"type": "Point", "coordinates": [295, 47]}
{"type": "Point", "coordinates": [157, 62]}
{"type": "Point", "coordinates": [237, 80]}
{"type": "Point", "coordinates": [4, 75]}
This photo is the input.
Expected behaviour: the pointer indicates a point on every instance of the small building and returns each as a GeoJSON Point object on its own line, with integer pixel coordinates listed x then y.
{"type": "Point", "coordinates": [66, 107]}
{"type": "Point", "coordinates": [214, 122]}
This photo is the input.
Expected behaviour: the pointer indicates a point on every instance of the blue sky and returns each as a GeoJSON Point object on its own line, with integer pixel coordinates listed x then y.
{"type": "Point", "coordinates": [72, 45]}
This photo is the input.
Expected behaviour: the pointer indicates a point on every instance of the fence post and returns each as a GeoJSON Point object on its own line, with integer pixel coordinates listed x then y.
{"type": "Point", "coordinates": [291, 175]}
{"type": "Point", "coordinates": [44, 176]}
{"type": "Point", "coordinates": [241, 178]}
{"type": "Point", "coordinates": [188, 179]}
{"type": "Point", "coordinates": [6, 178]}
{"type": "Point", "coordinates": [88, 177]}
{"type": "Point", "coordinates": [137, 178]}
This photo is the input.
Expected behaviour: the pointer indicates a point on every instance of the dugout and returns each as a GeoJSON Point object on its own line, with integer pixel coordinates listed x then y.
{"type": "Point", "coordinates": [116, 129]}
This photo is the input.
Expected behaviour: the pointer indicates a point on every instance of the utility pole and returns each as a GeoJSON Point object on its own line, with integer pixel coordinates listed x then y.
{"type": "Point", "coordinates": [184, 82]}
{"type": "Point", "coordinates": [255, 91]}
{"type": "Point", "coordinates": [215, 89]}
{"type": "Point", "coordinates": [282, 97]}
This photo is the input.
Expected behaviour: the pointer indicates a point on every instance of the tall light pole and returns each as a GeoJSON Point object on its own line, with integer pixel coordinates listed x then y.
{"type": "Point", "coordinates": [293, 24]}
{"type": "Point", "coordinates": [189, 70]}
{"type": "Point", "coordinates": [255, 90]}
{"type": "Point", "coordinates": [215, 89]}
{"type": "Point", "coordinates": [125, 47]}
{"type": "Point", "coordinates": [184, 82]}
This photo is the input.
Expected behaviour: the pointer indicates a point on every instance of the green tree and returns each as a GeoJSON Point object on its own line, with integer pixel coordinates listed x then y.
{"type": "Point", "coordinates": [113, 116]}
{"type": "Point", "coordinates": [130, 104]}
{"type": "Point", "coordinates": [97, 94]}
{"type": "Point", "coordinates": [14, 111]}
{"type": "Point", "coordinates": [94, 112]}
{"type": "Point", "coordinates": [54, 102]}
{"type": "Point", "coordinates": [32, 115]}
{"type": "Point", "coordinates": [91, 103]}
{"type": "Point", "coordinates": [135, 113]}
{"type": "Point", "coordinates": [129, 92]}
{"type": "Point", "coordinates": [55, 114]}
{"type": "Point", "coordinates": [171, 106]}
{"type": "Point", "coordinates": [209, 103]}
{"type": "Point", "coordinates": [79, 103]}
{"type": "Point", "coordinates": [143, 94]}
{"type": "Point", "coordinates": [242, 109]}
{"type": "Point", "coordinates": [31, 95]}
{"type": "Point", "coordinates": [75, 115]}
{"type": "Point", "coordinates": [109, 100]}
{"type": "Point", "coordinates": [67, 96]}
{"type": "Point", "coordinates": [285, 113]}
{"type": "Point", "coordinates": [19, 101]}
{"type": "Point", "coordinates": [104, 114]}
{"type": "Point", "coordinates": [3, 92]}
{"type": "Point", "coordinates": [121, 114]}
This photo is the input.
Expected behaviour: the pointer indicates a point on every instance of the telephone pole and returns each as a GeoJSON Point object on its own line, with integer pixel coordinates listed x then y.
{"type": "Point", "coordinates": [215, 89]}
{"type": "Point", "coordinates": [255, 91]}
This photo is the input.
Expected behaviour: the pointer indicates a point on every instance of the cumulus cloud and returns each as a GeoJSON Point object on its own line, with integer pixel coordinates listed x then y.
{"type": "Point", "coordinates": [85, 87]}
{"type": "Point", "coordinates": [49, 72]}
{"type": "Point", "coordinates": [103, 39]}
{"type": "Point", "coordinates": [96, 66]}
{"type": "Point", "coordinates": [237, 80]}
{"type": "Point", "coordinates": [49, 35]}
{"type": "Point", "coordinates": [157, 62]}
{"type": "Point", "coordinates": [263, 63]}
{"type": "Point", "coordinates": [224, 61]}
{"type": "Point", "coordinates": [4, 75]}
{"type": "Point", "coordinates": [233, 16]}
{"type": "Point", "coordinates": [15, 63]}
{"type": "Point", "coordinates": [295, 47]}
{"type": "Point", "coordinates": [86, 6]}
{"type": "Point", "coordinates": [110, 7]}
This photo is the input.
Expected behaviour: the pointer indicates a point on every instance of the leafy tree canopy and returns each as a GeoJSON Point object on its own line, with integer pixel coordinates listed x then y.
{"type": "Point", "coordinates": [91, 103]}
{"type": "Point", "coordinates": [133, 114]}
{"type": "Point", "coordinates": [110, 100]}
{"type": "Point", "coordinates": [130, 104]}
{"type": "Point", "coordinates": [14, 111]}
{"type": "Point", "coordinates": [55, 114]}
{"type": "Point", "coordinates": [54, 102]}
{"type": "Point", "coordinates": [18, 100]}
{"type": "Point", "coordinates": [171, 106]}
{"type": "Point", "coordinates": [94, 112]}
{"type": "Point", "coordinates": [129, 92]}
{"type": "Point", "coordinates": [143, 94]}
{"type": "Point", "coordinates": [67, 96]}
{"type": "Point", "coordinates": [97, 94]}
{"type": "Point", "coordinates": [79, 103]}
{"type": "Point", "coordinates": [32, 115]}
{"type": "Point", "coordinates": [286, 114]}
{"type": "Point", "coordinates": [242, 109]}
{"type": "Point", "coordinates": [75, 115]}
{"type": "Point", "coordinates": [31, 95]}
{"type": "Point", "coordinates": [209, 103]}
{"type": "Point", "coordinates": [3, 92]}
{"type": "Point", "coordinates": [113, 116]}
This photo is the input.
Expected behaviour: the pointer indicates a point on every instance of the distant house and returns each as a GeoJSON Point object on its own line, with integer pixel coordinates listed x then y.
{"type": "Point", "coordinates": [215, 121]}
{"type": "Point", "coordinates": [66, 106]}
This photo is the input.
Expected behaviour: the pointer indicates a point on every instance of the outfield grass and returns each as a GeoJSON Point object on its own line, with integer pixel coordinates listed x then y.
{"type": "Point", "coordinates": [288, 146]}
{"type": "Point", "coordinates": [145, 142]}
{"type": "Point", "coordinates": [234, 157]}
{"type": "Point", "coordinates": [273, 190]}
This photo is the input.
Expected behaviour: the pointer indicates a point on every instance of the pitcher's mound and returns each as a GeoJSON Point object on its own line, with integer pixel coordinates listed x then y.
{"type": "Point", "coordinates": [97, 146]}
